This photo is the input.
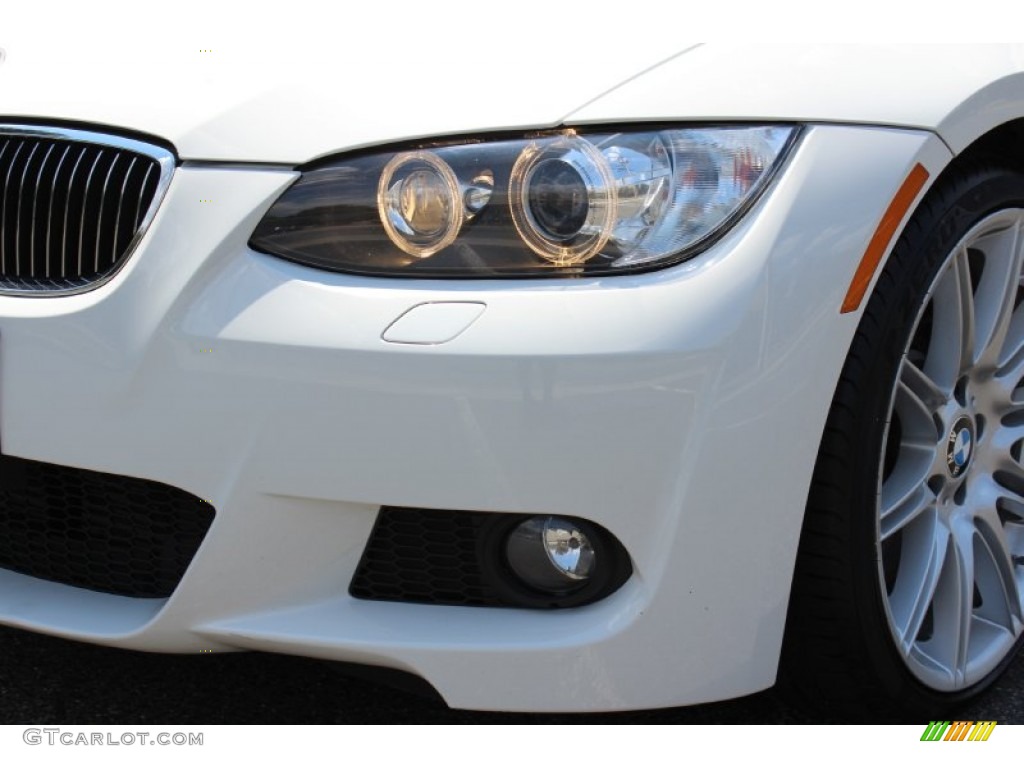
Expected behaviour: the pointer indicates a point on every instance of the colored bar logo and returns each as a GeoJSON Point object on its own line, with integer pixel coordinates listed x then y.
{"type": "Point", "coordinates": [959, 730]}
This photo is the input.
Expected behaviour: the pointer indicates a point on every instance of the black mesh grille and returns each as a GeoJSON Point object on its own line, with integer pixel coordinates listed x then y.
{"type": "Point", "coordinates": [453, 557]}
{"type": "Point", "coordinates": [69, 210]}
{"type": "Point", "coordinates": [97, 531]}
{"type": "Point", "coordinates": [422, 556]}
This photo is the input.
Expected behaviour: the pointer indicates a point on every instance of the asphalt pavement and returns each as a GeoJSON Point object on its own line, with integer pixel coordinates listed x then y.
{"type": "Point", "coordinates": [45, 680]}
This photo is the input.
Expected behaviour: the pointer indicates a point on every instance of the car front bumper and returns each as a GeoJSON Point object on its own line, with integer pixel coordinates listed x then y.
{"type": "Point", "coordinates": [680, 409]}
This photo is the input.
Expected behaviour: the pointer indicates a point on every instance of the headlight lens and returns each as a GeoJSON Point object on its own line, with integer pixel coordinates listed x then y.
{"type": "Point", "coordinates": [562, 204]}
{"type": "Point", "coordinates": [562, 199]}
{"type": "Point", "coordinates": [418, 202]}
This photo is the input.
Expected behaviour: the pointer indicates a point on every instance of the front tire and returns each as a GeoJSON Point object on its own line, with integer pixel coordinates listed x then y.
{"type": "Point", "coordinates": [907, 595]}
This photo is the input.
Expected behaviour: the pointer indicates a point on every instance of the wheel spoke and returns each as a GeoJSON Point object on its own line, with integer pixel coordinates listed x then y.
{"type": "Point", "coordinates": [925, 552]}
{"type": "Point", "coordinates": [1013, 343]}
{"type": "Point", "coordinates": [1010, 366]}
{"type": "Point", "coordinates": [1004, 457]}
{"type": "Point", "coordinates": [999, 517]}
{"type": "Point", "coordinates": [917, 398]}
{"type": "Point", "coordinates": [996, 292]}
{"type": "Point", "coordinates": [1010, 374]}
{"type": "Point", "coordinates": [953, 603]}
{"type": "Point", "coordinates": [906, 510]}
{"type": "Point", "coordinates": [908, 477]}
{"type": "Point", "coordinates": [927, 392]}
{"type": "Point", "coordinates": [994, 573]}
{"type": "Point", "coordinates": [951, 350]}
{"type": "Point", "coordinates": [1007, 504]}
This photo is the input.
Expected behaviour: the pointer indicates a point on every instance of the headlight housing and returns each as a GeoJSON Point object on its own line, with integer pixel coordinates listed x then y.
{"type": "Point", "coordinates": [558, 204]}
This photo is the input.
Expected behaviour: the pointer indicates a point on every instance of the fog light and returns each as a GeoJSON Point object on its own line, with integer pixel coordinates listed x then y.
{"type": "Point", "coordinates": [551, 554]}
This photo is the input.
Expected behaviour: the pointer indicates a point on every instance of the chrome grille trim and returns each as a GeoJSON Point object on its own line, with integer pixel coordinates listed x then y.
{"type": "Point", "coordinates": [109, 187]}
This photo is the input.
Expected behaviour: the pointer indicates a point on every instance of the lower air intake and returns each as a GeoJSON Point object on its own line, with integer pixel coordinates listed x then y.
{"type": "Point", "coordinates": [422, 556]}
{"type": "Point", "coordinates": [454, 557]}
{"type": "Point", "coordinates": [107, 533]}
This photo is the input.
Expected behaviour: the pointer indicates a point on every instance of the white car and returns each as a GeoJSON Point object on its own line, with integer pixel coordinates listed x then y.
{"type": "Point", "coordinates": [635, 384]}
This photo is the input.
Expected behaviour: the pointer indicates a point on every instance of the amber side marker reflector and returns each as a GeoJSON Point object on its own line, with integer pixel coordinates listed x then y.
{"type": "Point", "coordinates": [883, 236]}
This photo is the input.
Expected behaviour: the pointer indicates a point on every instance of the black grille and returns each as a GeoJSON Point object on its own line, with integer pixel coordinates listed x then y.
{"type": "Point", "coordinates": [69, 209]}
{"type": "Point", "coordinates": [423, 556]}
{"type": "Point", "coordinates": [97, 531]}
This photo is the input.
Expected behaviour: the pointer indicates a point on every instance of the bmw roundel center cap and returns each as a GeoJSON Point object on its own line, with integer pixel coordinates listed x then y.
{"type": "Point", "coordinates": [960, 446]}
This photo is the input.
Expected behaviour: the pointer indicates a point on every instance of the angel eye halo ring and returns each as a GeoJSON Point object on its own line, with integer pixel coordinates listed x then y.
{"type": "Point", "coordinates": [562, 198]}
{"type": "Point", "coordinates": [419, 203]}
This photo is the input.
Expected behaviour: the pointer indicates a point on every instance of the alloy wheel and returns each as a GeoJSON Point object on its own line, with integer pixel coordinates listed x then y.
{"type": "Point", "coordinates": [950, 523]}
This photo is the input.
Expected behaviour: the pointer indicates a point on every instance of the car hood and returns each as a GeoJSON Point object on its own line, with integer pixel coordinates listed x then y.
{"type": "Point", "coordinates": [314, 88]}
{"type": "Point", "coordinates": [303, 86]}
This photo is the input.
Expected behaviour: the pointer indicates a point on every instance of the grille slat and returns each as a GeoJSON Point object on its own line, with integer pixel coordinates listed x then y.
{"type": "Point", "coordinates": [85, 208]}
{"type": "Point", "coordinates": [19, 218]}
{"type": "Point", "coordinates": [3, 214]}
{"type": "Point", "coordinates": [35, 207]}
{"type": "Point", "coordinates": [145, 180]}
{"type": "Point", "coordinates": [120, 207]}
{"type": "Point", "coordinates": [67, 210]}
{"type": "Point", "coordinates": [72, 206]}
{"type": "Point", "coordinates": [99, 218]}
{"type": "Point", "coordinates": [49, 211]}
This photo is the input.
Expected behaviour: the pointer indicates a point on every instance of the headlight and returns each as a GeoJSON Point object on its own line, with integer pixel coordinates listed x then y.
{"type": "Point", "coordinates": [560, 204]}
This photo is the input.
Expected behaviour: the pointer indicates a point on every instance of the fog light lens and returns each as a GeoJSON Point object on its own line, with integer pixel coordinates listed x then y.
{"type": "Point", "coordinates": [551, 554]}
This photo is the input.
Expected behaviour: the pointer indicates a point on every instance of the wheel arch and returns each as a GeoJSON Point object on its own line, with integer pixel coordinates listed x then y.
{"type": "Point", "coordinates": [1002, 144]}
{"type": "Point", "coordinates": [990, 119]}
{"type": "Point", "coordinates": [977, 143]}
